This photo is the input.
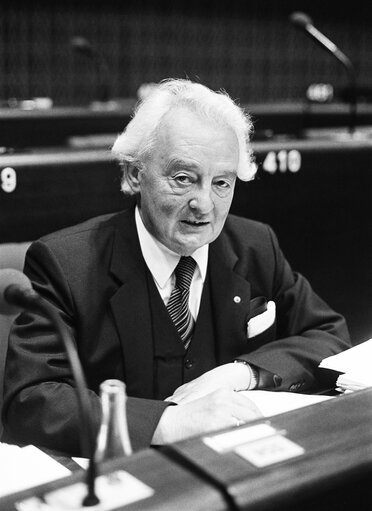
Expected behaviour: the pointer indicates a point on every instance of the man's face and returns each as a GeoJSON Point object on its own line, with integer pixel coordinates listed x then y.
{"type": "Point", "coordinates": [188, 181]}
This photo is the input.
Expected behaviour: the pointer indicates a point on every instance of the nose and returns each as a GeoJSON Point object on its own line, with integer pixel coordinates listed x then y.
{"type": "Point", "coordinates": [202, 201]}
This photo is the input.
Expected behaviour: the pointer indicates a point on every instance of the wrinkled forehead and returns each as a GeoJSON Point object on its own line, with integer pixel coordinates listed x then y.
{"type": "Point", "coordinates": [186, 141]}
{"type": "Point", "coordinates": [182, 128]}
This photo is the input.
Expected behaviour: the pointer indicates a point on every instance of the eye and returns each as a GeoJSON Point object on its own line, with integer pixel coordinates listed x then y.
{"type": "Point", "coordinates": [183, 179]}
{"type": "Point", "coordinates": [223, 184]}
{"type": "Point", "coordinates": [224, 187]}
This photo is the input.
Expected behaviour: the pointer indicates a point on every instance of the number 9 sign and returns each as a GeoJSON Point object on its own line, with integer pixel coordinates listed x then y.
{"type": "Point", "coordinates": [8, 179]}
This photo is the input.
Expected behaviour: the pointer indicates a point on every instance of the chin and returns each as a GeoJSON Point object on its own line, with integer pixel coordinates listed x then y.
{"type": "Point", "coordinates": [186, 249]}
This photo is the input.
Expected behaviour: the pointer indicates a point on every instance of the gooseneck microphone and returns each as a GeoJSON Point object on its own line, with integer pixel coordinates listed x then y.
{"type": "Point", "coordinates": [83, 46]}
{"type": "Point", "coordinates": [17, 294]}
{"type": "Point", "coordinates": [15, 291]}
{"type": "Point", "coordinates": [305, 23]}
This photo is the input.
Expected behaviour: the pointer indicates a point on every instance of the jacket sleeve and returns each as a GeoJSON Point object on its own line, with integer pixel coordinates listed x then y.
{"type": "Point", "coordinates": [40, 402]}
{"type": "Point", "coordinates": [306, 331]}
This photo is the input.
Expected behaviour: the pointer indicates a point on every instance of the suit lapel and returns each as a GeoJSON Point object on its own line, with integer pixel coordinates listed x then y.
{"type": "Point", "coordinates": [131, 310]}
{"type": "Point", "coordinates": [230, 297]}
{"type": "Point", "coordinates": [130, 306]}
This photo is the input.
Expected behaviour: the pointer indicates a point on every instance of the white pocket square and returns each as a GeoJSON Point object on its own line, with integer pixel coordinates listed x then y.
{"type": "Point", "coordinates": [262, 321]}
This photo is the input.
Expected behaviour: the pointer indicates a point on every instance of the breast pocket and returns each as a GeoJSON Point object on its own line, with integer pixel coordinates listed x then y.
{"type": "Point", "coordinates": [261, 327]}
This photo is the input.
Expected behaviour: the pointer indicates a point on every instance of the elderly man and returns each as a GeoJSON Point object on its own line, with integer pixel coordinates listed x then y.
{"type": "Point", "coordinates": [182, 302]}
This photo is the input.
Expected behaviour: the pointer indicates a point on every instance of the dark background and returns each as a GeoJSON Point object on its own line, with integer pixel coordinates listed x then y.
{"type": "Point", "coordinates": [247, 47]}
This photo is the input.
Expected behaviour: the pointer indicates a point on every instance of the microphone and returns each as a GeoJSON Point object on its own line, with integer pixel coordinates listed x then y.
{"type": "Point", "coordinates": [305, 23]}
{"type": "Point", "coordinates": [83, 46]}
{"type": "Point", "coordinates": [17, 294]}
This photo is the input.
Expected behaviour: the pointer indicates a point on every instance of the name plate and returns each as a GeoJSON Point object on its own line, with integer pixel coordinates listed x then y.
{"type": "Point", "coordinates": [268, 451]}
{"type": "Point", "coordinates": [261, 444]}
{"type": "Point", "coordinates": [224, 442]}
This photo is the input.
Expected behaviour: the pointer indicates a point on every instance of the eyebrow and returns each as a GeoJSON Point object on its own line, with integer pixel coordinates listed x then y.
{"type": "Point", "coordinates": [181, 164]}
{"type": "Point", "coordinates": [230, 173]}
{"type": "Point", "coordinates": [185, 165]}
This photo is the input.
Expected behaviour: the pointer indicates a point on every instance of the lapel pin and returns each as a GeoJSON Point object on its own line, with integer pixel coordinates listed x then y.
{"type": "Point", "coordinates": [237, 299]}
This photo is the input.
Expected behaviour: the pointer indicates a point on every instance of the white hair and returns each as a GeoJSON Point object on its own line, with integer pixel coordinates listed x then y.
{"type": "Point", "coordinates": [140, 135]}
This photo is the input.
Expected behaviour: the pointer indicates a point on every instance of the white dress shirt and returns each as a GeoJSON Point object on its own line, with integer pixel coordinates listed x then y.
{"type": "Point", "coordinates": [162, 262]}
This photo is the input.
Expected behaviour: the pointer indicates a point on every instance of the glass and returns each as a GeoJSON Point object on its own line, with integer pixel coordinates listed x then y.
{"type": "Point", "coordinates": [113, 438]}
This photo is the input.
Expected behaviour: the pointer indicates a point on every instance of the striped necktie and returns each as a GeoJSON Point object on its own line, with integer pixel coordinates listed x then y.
{"type": "Point", "coordinates": [178, 304]}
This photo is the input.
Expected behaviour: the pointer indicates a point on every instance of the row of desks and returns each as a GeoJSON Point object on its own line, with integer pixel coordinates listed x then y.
{"type": "Point", "coordinates": [331, 468]}
{"type": "Point", "coordinates": [316, 194]}
{"type": "Point", "coordinates": [36, 127]}
{"type": "Point", "coordinates": [72, 184]}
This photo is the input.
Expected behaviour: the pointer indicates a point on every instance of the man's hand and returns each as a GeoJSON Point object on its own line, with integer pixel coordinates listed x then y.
{"type": "Point", "coordinates": [228, 376]}
{"type": "Point", "coordinates": [220, 409]}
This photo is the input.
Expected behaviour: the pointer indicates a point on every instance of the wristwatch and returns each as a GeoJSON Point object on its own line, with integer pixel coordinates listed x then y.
{"type": "Point", "coordinates": [254, 373]}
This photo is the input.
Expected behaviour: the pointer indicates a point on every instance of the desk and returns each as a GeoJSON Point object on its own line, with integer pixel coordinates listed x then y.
{"type": "Point", "coordinates": [59, 186]}
{"type": "Point", "coordinates": [37, 127]}
{"type": "Point", "coordinates": [294, 118]}
{"type": "Point", "coordinates": [175, 488]}
{"type": "Point", "coordinates": [334, 473]}
{"type": "Point", "coordinates": [43, 191]}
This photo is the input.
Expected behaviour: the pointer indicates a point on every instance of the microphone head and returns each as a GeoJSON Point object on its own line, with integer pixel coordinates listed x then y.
{"type": "Point", "coordinates": [300, 19]}
{"type": "Point", "coordinates": [11, 277]}
{"type": "Point", "coordinates": [81, 44]}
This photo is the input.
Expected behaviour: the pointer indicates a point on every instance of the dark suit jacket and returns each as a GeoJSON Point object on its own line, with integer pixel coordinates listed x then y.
{"type": "Point", "coordinates": [94, 275]}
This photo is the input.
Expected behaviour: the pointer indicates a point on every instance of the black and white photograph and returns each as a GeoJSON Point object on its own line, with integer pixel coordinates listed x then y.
{"type": "Point", "coordinates": [185, 255]}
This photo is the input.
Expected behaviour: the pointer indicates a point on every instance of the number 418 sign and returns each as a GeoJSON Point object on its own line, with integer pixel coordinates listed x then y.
{"type": "Point", "coordinates": [282, 161]}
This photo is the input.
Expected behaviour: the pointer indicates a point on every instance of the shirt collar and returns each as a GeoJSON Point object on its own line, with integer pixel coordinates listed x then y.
{"type": "Point", "coordinates": [160, 260]}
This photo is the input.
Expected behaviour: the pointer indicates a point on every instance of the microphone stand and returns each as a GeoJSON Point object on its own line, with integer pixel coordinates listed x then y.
{"type": "Point", "coordinates": [87, 441]}
{"type": "Point", "coordinates": [303, 21]}
{"type": "Point", "coordinates": [82, 45]}
{"type": "Point", "coordinates": [353, 90]}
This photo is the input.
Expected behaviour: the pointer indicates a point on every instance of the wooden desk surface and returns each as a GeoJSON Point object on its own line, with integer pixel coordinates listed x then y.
{"type": "Point", "coordinates": [334, 473]}
{"type": "Point", "coordinates": [175, 488]}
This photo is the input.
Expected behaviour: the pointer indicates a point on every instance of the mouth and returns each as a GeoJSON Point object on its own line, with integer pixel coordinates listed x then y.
{"type": "Point", "coordinates": [195, 223]}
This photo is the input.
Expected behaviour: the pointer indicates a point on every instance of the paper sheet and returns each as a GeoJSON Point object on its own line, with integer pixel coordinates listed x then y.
{"type": "Point", "coordinates": [355, 364]}
{"type": "Point", "coordinates": [354, 381]}
{"type": "Point", "coordinates": [24, 467]}
{"type": "Point", "coordinates": [83, 462]}
{"type": "Point", "coordinates": [273, 403]}
{"type": "Point", "coordinates": [354, 360]}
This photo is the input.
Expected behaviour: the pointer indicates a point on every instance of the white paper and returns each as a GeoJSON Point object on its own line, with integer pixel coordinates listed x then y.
{"type": "Point", "coordinates": [273, 403]}
{"type": "Point", "coordinates": [354, 360]}
{"type": "Point", "coordinates": [83, 462]}
{"type": "Point", "coordinates": [25, 467]}
{"type": "Point", "coordinates": [354, 381]}
{"type": "Point", "coordinates": [355, 363]}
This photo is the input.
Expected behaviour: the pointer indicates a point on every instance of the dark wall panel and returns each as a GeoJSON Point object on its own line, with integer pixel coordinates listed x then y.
{"type": "Point", "coordinates": [247, 47]}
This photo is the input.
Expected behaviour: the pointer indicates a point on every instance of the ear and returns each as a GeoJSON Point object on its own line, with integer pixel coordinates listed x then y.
{"type": "Point", "coordinates": [132, 173]}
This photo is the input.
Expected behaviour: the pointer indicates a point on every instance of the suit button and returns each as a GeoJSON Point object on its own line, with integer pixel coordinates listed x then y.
{"type": "Point", "coordinates": [189, 363]}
